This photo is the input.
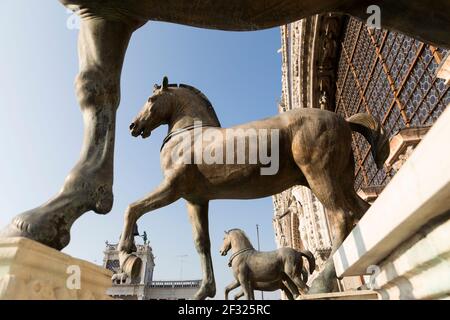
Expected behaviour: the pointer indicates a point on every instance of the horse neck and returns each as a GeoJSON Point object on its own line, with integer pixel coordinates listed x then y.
{"type": "Point", "coordinates": [239, 241]}
{"type": "Point", "coordinates": [190, 110]}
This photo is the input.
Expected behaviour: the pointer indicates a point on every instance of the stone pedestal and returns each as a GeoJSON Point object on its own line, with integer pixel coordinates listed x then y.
{"type": "Point", "coordinates": [30, 270]}
{"type": "Point", "coordinates": [347, 295]}
{"type": "Point", "coordinates": [403, 240]}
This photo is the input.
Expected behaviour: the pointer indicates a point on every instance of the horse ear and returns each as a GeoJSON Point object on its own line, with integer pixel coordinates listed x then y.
{"type": "Point", "coordinates": [165, 83]}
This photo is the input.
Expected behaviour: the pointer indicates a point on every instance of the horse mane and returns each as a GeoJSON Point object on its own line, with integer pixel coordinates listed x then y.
{"type": "Point", "coordinates": [201, 95]}
{"type": "Point", "coordinates": [242, 233]}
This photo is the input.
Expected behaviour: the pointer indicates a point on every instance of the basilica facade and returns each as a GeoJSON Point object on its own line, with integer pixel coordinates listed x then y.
{"type": "Point", "coordinates": [339, 64]}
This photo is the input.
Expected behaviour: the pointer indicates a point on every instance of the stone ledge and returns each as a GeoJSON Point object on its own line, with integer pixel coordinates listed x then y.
{"type": "Point", "coordinates": [346, 295]}
{"type": "Point", "coordinates": [419, 192]}
{"type": "Point", "coordinates": [420, 267]}
{"type": "Point", "coordinates": [30, 270]}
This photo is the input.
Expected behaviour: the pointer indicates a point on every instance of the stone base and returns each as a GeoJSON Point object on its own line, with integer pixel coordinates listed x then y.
{"type": "Point", "coordinates": [346, 295]}
{"type": "Point", "coordinates": [30, 270]}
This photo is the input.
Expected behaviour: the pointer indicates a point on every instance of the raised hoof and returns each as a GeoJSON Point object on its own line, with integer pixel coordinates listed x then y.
{"type": "Point", "coordinates": [132, 266]}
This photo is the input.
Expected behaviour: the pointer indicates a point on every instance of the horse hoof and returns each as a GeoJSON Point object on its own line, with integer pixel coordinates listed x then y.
{"type": "Point", "coordinates": [132, 266]}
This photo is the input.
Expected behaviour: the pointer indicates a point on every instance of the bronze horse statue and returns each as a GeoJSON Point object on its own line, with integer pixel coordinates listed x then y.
{"type": "Point", "coordinates": [106, 29]}
{"type": "Point", "coordinates": [313, 148]}
{"type": "Point", "coordinates": [255, 270]}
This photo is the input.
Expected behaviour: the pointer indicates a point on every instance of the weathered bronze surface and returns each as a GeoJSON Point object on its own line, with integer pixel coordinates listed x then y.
{"type": "Point", "coordinates": [106, 29]}
{"type": "Point", "coordinates": [269, 271]}
{"type": "Point", "coordinates": [313, 148]}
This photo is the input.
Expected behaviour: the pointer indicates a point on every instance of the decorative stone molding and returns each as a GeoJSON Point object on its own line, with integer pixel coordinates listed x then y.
{"type": "Point", "coordinates": [30, 270]}
{"type": "Point", "coordinates": [370, 193]}
{"type": "Point", "coordinates": [402, 145]}
{"type": "Point", "coordinates": [309, 61]}
{"type": "Point", "coordinates": [443, 71]}
{"type": "Point", "coordinates": [420, 267]}
{"type": "Point", "coordinates": [406, 232]}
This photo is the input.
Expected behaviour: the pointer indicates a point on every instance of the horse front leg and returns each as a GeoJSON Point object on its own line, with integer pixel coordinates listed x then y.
{"type": "Point", "coordinates": [230, 287]}
{"type": "Point", "coordinates": [246, 286]}
{"type": "Point", "coordinates": [198, 215]}
{"type": "Point", "coordinates": [102, 46]}
{"type": "Point", "coordinates": [239, 295]}
{"type": "Point", "coordinates": [164, 195]}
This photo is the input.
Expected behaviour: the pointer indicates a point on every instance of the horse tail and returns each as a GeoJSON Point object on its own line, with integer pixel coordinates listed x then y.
{"type": "Point", "coordinates": [374, 133]}
{"type": "Point", "coordinates": [305, 275]}
{"type": "Point", "coordinates": [311, 260]}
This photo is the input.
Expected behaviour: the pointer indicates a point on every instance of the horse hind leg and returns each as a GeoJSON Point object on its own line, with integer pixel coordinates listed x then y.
{"type": "Point", "coordinates": [329, 188]}
{"type": "Point", "coordinates": [291, 287]}
{"type": "Point", "coordinates": [293, 266]}
{"type": "Point", "coordinates": [287, 292]}
{"type": "Point", "coordinates": [357, 206]}
{"type": "Point", "coordinates": [198, 215]}
{"type": "Point", "coordinates": [297, 280]}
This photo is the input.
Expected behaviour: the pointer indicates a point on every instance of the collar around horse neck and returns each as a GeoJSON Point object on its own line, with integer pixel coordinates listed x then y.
{"type": "Point", "coordinates": [181, 130]}
{"type": "Point", "coordinates": [234, 255]}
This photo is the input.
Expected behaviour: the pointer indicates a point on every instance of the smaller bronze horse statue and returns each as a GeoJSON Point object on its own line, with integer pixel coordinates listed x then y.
{"type": "Point", "coordinates": [272, 286]}
{"type": "Point", "coordinates": [254, 269]}
{"type": "Point", "coordinates": [313, 148]}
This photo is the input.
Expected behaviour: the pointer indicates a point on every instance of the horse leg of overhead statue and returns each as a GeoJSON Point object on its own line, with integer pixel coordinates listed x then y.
{"type": "Point", "coordinates": [230, 287]}
{"type": "Point", "coordinates": [102, 45]}
{"type": "Point", "coordinates": [427, 21]}
{"type": "Point", "coordinates": [162, 196]}
{"type": "Point", "coordinates": [198, 216]}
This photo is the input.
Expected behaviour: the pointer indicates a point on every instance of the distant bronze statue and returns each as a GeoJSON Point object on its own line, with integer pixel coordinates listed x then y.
{"type": "Point", "coordinates": [314, 149]}
{"type": "Point", "coordinates": [106, 29]}
{"type": "Point", "coordinates": [268, 271]}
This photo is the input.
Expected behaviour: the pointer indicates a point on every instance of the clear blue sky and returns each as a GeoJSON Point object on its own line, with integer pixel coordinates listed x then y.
{"type": "Point", "coordinates": [41, 125]}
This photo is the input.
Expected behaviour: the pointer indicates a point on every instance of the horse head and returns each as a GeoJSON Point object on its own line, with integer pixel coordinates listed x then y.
{"type": "Point", "coordinates": [155, 112]}
{"type": "Point", "coordinates": [226, 245]}
{"type": "Point", "coordinates": [179, 106]}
